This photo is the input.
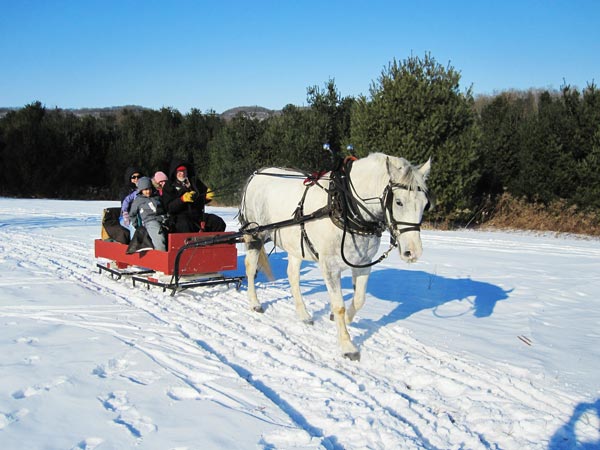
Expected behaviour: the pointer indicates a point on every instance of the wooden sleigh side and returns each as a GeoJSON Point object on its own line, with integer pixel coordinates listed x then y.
{"type": "Point", "coordinates": [198, 266]}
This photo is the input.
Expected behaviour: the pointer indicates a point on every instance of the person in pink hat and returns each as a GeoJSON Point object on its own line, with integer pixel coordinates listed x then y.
{"type": "Point", "coordinates": [159, 180]}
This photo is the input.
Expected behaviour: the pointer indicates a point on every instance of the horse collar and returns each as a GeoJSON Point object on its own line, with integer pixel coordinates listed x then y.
{"type": "Point", "coordinates": [345, 209]}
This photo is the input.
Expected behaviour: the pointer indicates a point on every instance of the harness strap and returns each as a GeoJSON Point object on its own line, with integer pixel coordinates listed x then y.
{"type": "Point", "coordinates": [345, 210]}
{"type": "Point", "coordinates": [372, 263]}
{"type": "Point", "coordinates": [304, 236]}
{"type": "Point", "coordinates": [314, 177]}
{"type": "Point", "coordinates": [253, 228]}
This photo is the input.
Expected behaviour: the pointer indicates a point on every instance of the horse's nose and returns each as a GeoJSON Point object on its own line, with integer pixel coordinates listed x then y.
{"type": "Point", "coordinates": [410, 250]}
{"type": "Point", "coordinates": [410, 256]}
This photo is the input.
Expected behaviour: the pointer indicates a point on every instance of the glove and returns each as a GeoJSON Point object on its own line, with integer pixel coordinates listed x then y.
{"type": "Point", "coordinates": [125, 218]}
{"type": "Point", "coordinates": [188, 197]}
{"type": "Point", "coordinates": [209, 196]}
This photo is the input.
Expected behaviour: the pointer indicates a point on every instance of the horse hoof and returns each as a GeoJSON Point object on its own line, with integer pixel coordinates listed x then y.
{"type": "Point", "coordinates": [308, 322]}
{"type": "Point", "coordinates": [331, 316]}
{"type": "Point", "coordinates": [258, 309]}
{"type": "Point", "coordinates": [354, 356]}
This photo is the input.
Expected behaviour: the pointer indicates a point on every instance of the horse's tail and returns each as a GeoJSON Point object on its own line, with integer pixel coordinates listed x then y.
{"type": "Point", "coordinates": [263, 260]}
{"type": "Point", "coordinates": [264, 265]}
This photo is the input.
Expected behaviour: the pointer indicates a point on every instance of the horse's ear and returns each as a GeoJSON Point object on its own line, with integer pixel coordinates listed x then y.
{"type": "Point", "coordinates": [399, 172]}
{"type": "Point", "coordinates": [389, 166]}
{"type": "Point", "coordinates": [425, 168]}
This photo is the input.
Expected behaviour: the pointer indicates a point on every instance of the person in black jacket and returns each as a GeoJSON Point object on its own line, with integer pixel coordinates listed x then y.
{"type": "Point", "coordinates": [132, 175]}
{"type": "Point", "coordinates": [184, 198]}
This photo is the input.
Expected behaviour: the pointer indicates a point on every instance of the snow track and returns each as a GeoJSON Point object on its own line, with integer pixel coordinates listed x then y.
{"type": "Point", "coordinates": [402, 394]}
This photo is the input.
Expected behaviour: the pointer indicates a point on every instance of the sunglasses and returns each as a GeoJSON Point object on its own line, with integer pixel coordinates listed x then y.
{"type": "Point", "coordinates": [135, 177]}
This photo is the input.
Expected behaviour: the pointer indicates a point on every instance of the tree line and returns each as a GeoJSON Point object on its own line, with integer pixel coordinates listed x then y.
{"type": "Point", "coordinates": [540, 146]}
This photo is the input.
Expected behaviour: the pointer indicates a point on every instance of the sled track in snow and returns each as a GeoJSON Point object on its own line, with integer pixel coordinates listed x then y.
{"type": "Point", "coordinates": [407, 396]}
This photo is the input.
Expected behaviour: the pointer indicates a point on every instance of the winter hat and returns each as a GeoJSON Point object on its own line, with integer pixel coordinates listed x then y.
{"type": "Point", "coordinates": [181, 168]}
{"type": "Point", "coordinates": [144, 183]}
{"type": "Point", "coordinates": [130, 171]}
{"type": "Point", "coordinates": [160, 176]}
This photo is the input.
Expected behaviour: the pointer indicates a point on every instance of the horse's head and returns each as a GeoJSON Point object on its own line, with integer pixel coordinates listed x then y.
{"type": "Point", "coordinates": [405, 201]}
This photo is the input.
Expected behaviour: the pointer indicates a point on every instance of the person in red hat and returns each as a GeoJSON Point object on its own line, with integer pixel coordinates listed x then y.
{"type": "Point", "coordinates": [184, 197]}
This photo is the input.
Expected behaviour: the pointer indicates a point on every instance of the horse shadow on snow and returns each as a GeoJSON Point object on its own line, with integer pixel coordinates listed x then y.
{"type": "Point", "coordinates": [567, 437]}
{"type": "Point", "coordinates": [411, 291]}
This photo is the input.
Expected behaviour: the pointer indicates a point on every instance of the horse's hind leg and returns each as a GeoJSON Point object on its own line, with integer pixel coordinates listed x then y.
{"type": "Point", "coordinates": [360, 276]}
{"type": "Point", "coordinates": [293, 272]}
{"type": "Point", "coordinates": [333, 283]}
{"type": "Point", "coordinates": [253, 249]}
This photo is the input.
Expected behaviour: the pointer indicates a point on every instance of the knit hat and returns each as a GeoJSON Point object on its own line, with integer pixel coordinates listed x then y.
{"type": "Point", "coordinates": [144, 183]}
{"type": "Point", "coordinates": [160, 176]}
{"type": "Point", "coordinates": [181, 168]}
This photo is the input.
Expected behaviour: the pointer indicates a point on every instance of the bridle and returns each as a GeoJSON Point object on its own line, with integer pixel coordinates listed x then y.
{"type": "Point", "coordinates": [387, 205]}
{"type": "Point", "coordinates": [394, 226]}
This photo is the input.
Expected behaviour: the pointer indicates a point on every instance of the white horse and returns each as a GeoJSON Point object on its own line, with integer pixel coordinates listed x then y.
{"type": "Point", "coordinates": [384, 192]}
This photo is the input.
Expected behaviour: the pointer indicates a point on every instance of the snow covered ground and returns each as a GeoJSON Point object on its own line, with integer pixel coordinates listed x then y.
{"type": "Point", "coordinates": [490, 341]}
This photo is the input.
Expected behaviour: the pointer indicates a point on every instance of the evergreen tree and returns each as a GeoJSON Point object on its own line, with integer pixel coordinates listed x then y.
{"type": "Point", "coordinates": [500, 122]}
{"type": "Point", "coordinates": [334, 112]}
{"type": "Point", "coordinates": [128, 149]}
{"type": "Point", "coordinates": [587, 191]}
{"type": "Point", "coordinates": [235, 152]}
{"type": "Point", "coordinates": [547, 156]}
{"type": "Point", "coordinates": [164, 138]}
{"type": "Point", "coordinates": [415, 110]}
{"type": "Point", "coordinates": [295, 139]}
{"type": "Point", "coordinates": [27, 145]}
{"type": "Point", "coordinates": [198, 130]}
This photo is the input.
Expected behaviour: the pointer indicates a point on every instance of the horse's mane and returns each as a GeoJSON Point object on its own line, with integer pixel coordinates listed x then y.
{"type": "Point", "coordinates": [401, 171]}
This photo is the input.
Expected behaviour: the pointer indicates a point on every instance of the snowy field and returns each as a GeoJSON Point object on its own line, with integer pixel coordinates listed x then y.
{"type": "Point", "coordinates": [490, 341]}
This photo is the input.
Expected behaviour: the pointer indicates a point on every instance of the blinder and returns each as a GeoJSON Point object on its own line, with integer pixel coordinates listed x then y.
{"type": "Point", "coordinates": [388, 207]}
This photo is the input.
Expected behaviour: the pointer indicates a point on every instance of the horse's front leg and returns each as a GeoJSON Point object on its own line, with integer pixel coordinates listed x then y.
{"type": "Point", "coordinates": [333, 282]}
{"type": "Point", "coordinates": [360, 276]}
{"type": "Point", "coordinates": [293, 272]}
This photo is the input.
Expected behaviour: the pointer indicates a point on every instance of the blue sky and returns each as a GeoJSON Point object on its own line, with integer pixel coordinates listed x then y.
{"type": "Point", "coordinates": [221, 54]}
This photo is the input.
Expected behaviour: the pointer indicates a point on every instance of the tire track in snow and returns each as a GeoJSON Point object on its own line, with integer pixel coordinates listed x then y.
{"type": "Point", "coordinates": [150, 302]}
{"type": "Point", "coordinates": [242, 306]}
{"type": "Point", "coordinates": [297, 367]}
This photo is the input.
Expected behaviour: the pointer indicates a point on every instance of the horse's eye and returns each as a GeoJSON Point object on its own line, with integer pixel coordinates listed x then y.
{"type": "Point", "coordinates": [399, 203]}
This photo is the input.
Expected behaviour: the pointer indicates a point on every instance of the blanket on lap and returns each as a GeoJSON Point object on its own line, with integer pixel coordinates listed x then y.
{"type": "Point", "coordinates": [111, 228]}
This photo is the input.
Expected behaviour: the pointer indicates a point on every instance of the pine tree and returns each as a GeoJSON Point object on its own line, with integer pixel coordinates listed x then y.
{"type": "Point", "coordinates": [415, 110]}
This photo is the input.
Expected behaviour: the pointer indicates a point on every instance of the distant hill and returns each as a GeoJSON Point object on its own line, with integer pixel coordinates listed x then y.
{"type": "Point", "coordinates": [257, 112]}
{"type": "Point", "coordinates": [80, 112]}
{"type": "Point", "coordinates": [97, 112]}
{"type": "Point", "coordinates": [5, 110]}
